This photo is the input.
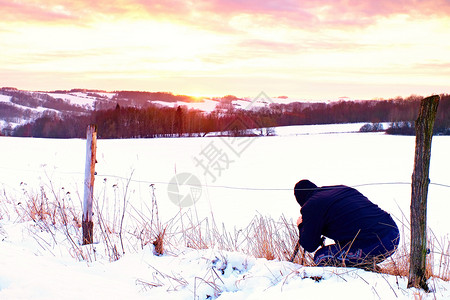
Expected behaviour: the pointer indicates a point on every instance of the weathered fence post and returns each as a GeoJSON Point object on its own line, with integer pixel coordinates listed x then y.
{"type": "Point", "coordinates": [424, 133]}
{"type": "Point", "coordinates": [89, 172]}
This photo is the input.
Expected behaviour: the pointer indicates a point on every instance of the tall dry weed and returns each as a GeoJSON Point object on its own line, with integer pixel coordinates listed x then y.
{"type": "Point", "coordinates": [54, 210]}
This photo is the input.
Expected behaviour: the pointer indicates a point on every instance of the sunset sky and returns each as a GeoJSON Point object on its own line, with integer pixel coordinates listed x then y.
{"type": "Point", "coordinates": [309, 49]}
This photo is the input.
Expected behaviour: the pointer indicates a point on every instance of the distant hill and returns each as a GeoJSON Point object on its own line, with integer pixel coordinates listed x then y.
{"type": "Point", "coordinates": [127, 114]}
{"type": "Point", "coordinates": [18, 107]}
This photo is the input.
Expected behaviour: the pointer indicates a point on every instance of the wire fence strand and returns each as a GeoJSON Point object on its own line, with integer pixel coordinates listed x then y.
{"type": "Point", "coordinates": [247, 188]}
{"type": "Point", "coordinates": [229, 187]}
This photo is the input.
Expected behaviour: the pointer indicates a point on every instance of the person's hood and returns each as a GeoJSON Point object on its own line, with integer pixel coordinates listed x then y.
{"type": "Point", "coordinates": [303, 190]}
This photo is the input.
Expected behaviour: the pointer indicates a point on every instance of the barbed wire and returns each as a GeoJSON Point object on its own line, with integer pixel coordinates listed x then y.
{"type": "Point", "coordinates": [244, 188]}
{"type": "Point", "coordinates": [264, 189]}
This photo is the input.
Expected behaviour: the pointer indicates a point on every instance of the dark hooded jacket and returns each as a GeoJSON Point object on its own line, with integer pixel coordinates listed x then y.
{"type": "Point", "coordinates": [340, 213]}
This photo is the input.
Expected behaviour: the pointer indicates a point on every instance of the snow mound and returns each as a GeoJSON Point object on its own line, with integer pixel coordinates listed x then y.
{"type": "Point", "coordinates": [36, 267]}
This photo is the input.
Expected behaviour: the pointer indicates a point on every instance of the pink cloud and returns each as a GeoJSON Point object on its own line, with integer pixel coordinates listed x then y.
{"type": "Point", "coordinates": [216, 14]}
{"type": "Point", "coordinates": [337, 7]}
{"type": "Point", "coordinates": [60, 10]}
{"type": "Point", "coordinates": [327, 13]}
{"type": "Point", "coordinates": [19, 11]}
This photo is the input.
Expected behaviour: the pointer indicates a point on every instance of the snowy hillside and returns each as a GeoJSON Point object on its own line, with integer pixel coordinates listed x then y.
{"type": "Point", "coordinates": [40, 209]}
{"type": "Point", "coordinates": [81, 99]}
{"type": "Point", "coordinates": [19, 107]}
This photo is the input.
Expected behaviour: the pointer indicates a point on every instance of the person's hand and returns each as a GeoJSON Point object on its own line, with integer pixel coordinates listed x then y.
{"type": "Point", "coordinates": [299, 220]}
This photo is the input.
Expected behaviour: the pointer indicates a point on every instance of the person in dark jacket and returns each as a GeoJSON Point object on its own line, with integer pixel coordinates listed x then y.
{"type": "Point", "coordinates": [363, 233]}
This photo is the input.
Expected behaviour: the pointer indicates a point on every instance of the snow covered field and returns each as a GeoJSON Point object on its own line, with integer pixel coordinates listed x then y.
{"type": "Point", "coordinates": [240, 178]}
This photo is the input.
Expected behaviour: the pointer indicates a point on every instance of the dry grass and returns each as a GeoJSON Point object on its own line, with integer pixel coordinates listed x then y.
{"type": "Point", "coordinates": [440, 252]}
{"type": "Point", "coordinates": [53, 210]}
{"type": "Point", "coordinates": [158, 243]}
{"type": "Point", "coordinates": [262, 238]}
{"type": "Point", "coordinates": [270, 239]}
{"type": "Point", "coordinates": [438, 259]}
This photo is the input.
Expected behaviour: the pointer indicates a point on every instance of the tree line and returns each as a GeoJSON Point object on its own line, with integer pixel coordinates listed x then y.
{"type": "Point", "coordinates": [158, 121]}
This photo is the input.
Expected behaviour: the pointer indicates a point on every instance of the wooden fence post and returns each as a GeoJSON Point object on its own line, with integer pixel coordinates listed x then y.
{"type": "Point", "coordinates": [424, 133]}
{"type": "Point", "coordinates": [89, 172]}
